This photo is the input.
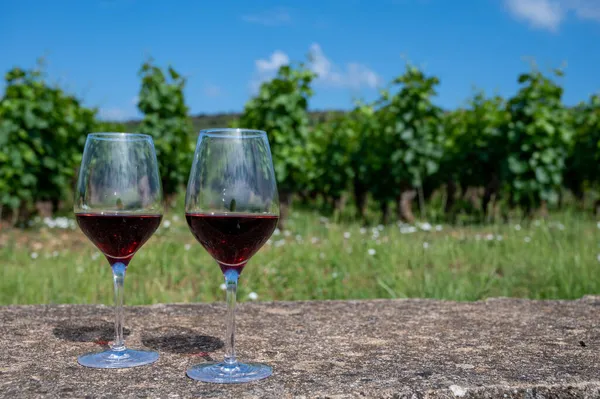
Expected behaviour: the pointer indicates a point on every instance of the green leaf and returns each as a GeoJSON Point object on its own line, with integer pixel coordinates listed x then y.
{"type": "Point", "coordinates": [409, 156]}
{"type": "Point", "coordinates": [541, 175]}
{"type": "Point", "coordinates": [517, 167]}
{"type": "Point", "coordinates": [49, 163]}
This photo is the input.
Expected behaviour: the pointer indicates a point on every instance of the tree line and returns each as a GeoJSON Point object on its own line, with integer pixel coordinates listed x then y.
{"type": "Point", "coordinates": [398, 153]}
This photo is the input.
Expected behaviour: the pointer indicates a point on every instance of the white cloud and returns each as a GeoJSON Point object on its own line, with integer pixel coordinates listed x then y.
{"type": "Point", "coordinates": [272, 64]}
{"type": "Point", "coordinates": [211, 90]}
{"type": "Point", "coordinates": [275, 17]}
{"type": "Point", "coordinates": [267, 68]}
{"type": "Point", "coordinates": [321, 65]}
{"type": "Point", "coordinates": [120, 113]}
{"type": "Point", "coordinates": [114, 114]}
{"type": "Point", "coordinates": [544, 14]}
{"type": "Point", "coordinates": [549, 14]}
{"type": "Point", "coordinates": [353, 76]}
{"type": "Point", "coordinates": [586, 9]}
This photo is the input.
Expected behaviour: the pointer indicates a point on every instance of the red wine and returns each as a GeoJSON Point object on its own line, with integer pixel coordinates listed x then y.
{"type": "Point", "coordinates": [118, 236]}
{"type": "Point", "coordinates": [231, 238]}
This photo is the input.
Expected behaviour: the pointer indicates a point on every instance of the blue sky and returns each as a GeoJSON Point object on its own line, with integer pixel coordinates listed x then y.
{"type": "Point", "coordinates": [94, 48]}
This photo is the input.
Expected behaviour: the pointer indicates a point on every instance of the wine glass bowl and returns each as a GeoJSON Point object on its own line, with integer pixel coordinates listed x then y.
{"type": "Point", "coordinates": [232, 208]}
{"type": "Point", "coordinates": [118, 206]}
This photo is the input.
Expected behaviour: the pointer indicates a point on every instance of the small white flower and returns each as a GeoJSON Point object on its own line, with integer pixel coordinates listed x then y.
{"type": "Point", "coordinates": [346, 235]}
{"type": "Point", "coordinates": [598, 225]}
{"type": "Point", "coordinates": [560, 226]}
{"type": "Point", "coordinates": [279, 243]}
{"type": "Point", "coordinates": [334, 275]}
{"type": "Point", "coordinates": [425, 245]}
{"type": "Point", "coordinates": [489, 237]}
{"type": "Point", "coordinates": [598, 257]}
{"type": "Point", "coordinates": [276, 232]}
{"type": "Point", "coordinates": [253, 296]}
{"type": "Point", "coordinates": [537, 223]}
{"type": "Point", "coordinates": [95, 255]}
{"type": "Point", "coordinates": [322, 255]}
{"type": "Point", "coordinates": [527, 239]}
{"type": "Point", "coordinates": [166, 223]}
{"type": "Point", "coordinates": [176, 218]}
{"type": "Point", "coordinates": [323, 219]}
{"type": "Point", "coordinates": [438, 227]}
{"type": "Point", "coordinates": [223, 286]}
{"type": "Point", "coordinates": [363, 230]}
{"type": "Point", "coordinates": [298, 237]}
{"type": "Point", "coordinates": [61, 223]}
{"type": "Point", "coordinates": [371, 251]}
{"type": "Point", "coordinates": [314, 240]}
{"type": "Point", "coordinates": [187, 247]}
{"type": "Point", "coordinates": [34, 255]}
{"type": "Point", "coordinates": [517, 227]}
{"type": "Point", "coordinates": [408, 229]}
{"type": "Point", "coordinates": [287, 233]}
{"type": "Point", "coordinates": [498, 237]}
{"type": "Point", "coordinates": [380, 227]}
{"type": "Point", "coordinates": [55, 254]}
{"type": "Point", "coordinates": [425, 226]}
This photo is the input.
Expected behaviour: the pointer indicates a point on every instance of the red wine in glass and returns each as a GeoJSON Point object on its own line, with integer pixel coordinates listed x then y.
{"type": "Point", "coordinates": [118, 236]}
{"type": "Point", "coordinates": [231, 239]}
{"type": "Point", "coordinates": [232, 208]}
{"type": "Point", "coordinates": [118, 205]}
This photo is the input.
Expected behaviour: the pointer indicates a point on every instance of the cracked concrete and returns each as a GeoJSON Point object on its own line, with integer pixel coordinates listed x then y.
{"type": "Point", "coordinates": [499, 348]}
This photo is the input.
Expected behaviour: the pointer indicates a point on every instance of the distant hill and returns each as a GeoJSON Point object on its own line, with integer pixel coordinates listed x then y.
{"type": "Point", "coordinates": [206, 121]}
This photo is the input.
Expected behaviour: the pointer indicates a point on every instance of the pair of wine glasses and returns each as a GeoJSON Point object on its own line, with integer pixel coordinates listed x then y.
{"type": "Point", "coordinates": [231, 207]}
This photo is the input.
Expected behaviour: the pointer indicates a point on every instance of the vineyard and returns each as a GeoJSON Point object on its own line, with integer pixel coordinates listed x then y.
{"type": "Point", "coordinates": [399, 157]}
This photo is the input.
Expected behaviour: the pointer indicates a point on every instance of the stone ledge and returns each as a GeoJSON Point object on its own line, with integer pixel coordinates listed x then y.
{"type": "Point", "coordinates": [328, 349]}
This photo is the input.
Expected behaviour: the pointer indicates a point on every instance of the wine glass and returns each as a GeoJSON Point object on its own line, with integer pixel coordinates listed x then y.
{"type": "Point", "coordinates": [118, 206]}
{"type": "Point", "coordinates": [232, 208]}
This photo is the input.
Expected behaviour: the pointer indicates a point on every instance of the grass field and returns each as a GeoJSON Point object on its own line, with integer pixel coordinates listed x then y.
{"type": "Point", "coordinates": [314, 259]}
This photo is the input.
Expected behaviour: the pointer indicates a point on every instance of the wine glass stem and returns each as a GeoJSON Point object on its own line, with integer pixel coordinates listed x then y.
{"type": "Point", "coordinates": [231, 281]}
{"type": "Point", "coordinates": [118, 278]}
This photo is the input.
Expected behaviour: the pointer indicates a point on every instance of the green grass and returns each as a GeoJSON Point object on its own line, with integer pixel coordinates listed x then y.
{"type": "Point", "coordinates": [313, 260]}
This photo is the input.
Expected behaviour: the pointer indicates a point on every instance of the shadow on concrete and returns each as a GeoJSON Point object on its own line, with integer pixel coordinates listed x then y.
{"type": "Point", "coordinates": [181, 340]}
{"type": "Point", "coordinates": [99, 332]}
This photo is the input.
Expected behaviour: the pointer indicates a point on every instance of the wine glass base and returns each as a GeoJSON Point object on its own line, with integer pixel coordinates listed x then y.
{"type": "Point", "coordinates": [224, 373]}
{"type": "Point", "coordinates": [111, 359]}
